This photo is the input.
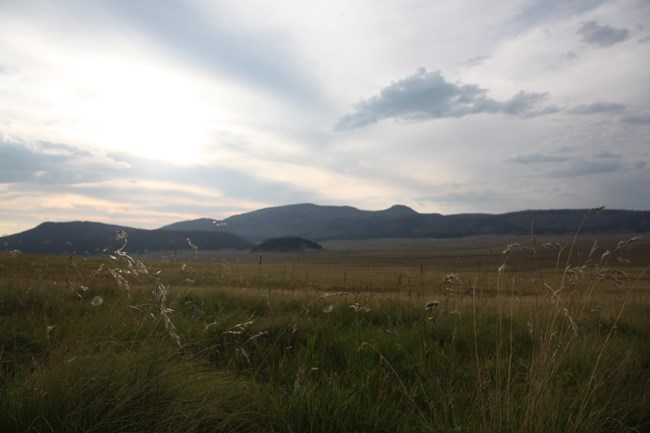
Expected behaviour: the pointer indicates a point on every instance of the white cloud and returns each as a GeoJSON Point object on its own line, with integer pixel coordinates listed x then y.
{"type": "Point", "coordinates": [597, 108]}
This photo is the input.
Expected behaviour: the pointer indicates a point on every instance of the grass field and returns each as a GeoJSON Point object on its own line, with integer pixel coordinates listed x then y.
{"type": "Point", "coordinates": [527, 338]}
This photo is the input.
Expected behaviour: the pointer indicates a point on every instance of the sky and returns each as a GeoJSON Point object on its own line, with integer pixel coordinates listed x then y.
{"type": "Point", "coordinates": [148, 112]}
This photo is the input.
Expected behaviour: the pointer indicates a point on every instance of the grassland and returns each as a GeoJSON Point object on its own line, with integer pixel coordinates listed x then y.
{"type": "Point", "coordinates": [516, 339]}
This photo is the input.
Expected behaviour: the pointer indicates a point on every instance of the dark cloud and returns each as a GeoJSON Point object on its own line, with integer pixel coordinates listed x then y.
{"type": "Point", "coordinates": [606, 154]}
{"type": "Point", "coordinates": [597, 108]}
{"type": "Point", "coordinates": [601, 162]}
{"type": "Point", "coordinates": [535, 158]}
{"type": "Point", "coordinates": [583, 167]}
{"type": "Point", "coordinates": [17, 163]}
{"type": "Point", "coordinates": [602, 36]}
{"type": "Point", "coordinates": [538, 12]}
{"type": "Point", "coordinates": [636, 118]}
{"type": "Point", "coordinates": [640, 165]}
{"type": "Point", "coordinates": [624, 112]}
{"type": "Point", "coordinates": [427, 95]}
{"type": "Point", "coordinates": [53, 163]}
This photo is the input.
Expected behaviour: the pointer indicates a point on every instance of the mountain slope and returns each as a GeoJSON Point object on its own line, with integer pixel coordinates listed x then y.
{"type": "Point", "coordinates": [287, 244]}
{"type": "Point", "coordinates": [93, 238]}
{"type": "Point", "coordinates": [309, 221]}
{"type": "Point", "coordinates": [344, 222]}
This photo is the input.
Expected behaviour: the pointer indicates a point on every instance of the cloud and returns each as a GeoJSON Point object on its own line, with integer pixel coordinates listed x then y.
{"type": "Point", "coordinates": [601, 162]}
{"type": "Point", "coordinates": [597, 108]}
{"type": "Point", "coordinates": [538, 12]}
{"type": "Point", "coordinates": [211, 38]}
{"type": "Point", "coordinates": [234, 181]}
{"type": "Point", "coordinates": [602, 36]}
{"type": "Point", "coordinates": [53, 163]}
{"type": "Point", "coordinates": [486, 196]}
{"type": "Point", "coordinates": [583, 167]}
{"type": "Point", "coordinates": [535, 158]}
{"type": "Point", "coordinates": [625, 114]}
{"type": "Point", "coordinates": [640, 165]}
{"type": "Point", "coordinates": [606, 154]}
{"type": "Point", "coordinates": [427, 95]}
{"type": "Point", "coordinates": [568, 56]}
{"type": "Point", "coordinates": [204, 37]}
{"type": "Point", "coordinates": [474, 61]}
{"type": "Point", "coordinates": [636, 118]}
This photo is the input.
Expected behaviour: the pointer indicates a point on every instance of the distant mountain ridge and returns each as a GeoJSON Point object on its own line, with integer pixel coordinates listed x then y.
{"type": "Point", "coordinates": [322, 223]}
{"type": "Point", "coordinates": [316, 223]}
{"type": "Point", "coordinates": [83, 237]}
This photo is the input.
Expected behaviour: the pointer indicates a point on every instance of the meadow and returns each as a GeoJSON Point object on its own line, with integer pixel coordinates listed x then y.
{"type": "Point", "coordinates": [485, 334]}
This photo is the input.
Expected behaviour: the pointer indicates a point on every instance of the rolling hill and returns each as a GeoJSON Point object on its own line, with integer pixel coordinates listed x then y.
{"type": "Point", "coordinates": [322, 223]}
{"type": "Point", "coordinates": [93, 238]}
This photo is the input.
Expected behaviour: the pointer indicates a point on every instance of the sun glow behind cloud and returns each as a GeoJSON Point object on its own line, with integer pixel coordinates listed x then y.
{"type": "Point", "coordinates": [145, 110]}
{"type": "Point", "coordinates": [133, 100]}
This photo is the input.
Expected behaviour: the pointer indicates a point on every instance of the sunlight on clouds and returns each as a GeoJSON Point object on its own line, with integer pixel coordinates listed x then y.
{"type": "Point", "coordinates": [140, 108]}
{"type": "Point", "coordinates": [359, 169]}
{"type": "Point", "coordinates": [322, 183]}
{"type": "Point", "coordinates": [147, 112]}
{"type": "Point", "coordinates": [72, 201]}
{"type": "Point", "coordinates": [152, 194]}
{"type": "Point", "coordinates": [75, 207]}
{"type": "Point", "coordinates": [142, 203]}
{"type": "Point", "coordinates": [145, 185]}
{"type": "Point", "coordinates": [120, 94]}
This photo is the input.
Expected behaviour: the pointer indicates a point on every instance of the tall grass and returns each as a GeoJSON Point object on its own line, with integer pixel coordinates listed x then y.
{"type": "Point", "coordinates": [549, 340]}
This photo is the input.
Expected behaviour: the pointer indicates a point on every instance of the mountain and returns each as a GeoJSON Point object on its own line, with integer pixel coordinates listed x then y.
{"type": "Point", "coordinates": [344, 222]}
{"type": "Point", "coordinates": [318, 223]}
{"type": "Point", "coordinates": [287, 244]}
{"type": "Point", "coordinates": [305, 220]}
{"type": "Point", "coordinates": [93, 238]}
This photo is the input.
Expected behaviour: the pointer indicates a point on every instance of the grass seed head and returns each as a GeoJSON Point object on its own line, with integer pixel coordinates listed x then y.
{"type": "Point", "coordinates": [358, 307]}
{"type": "Point", "coordinates": [431, 305]}
{"type": "Point", "coordinates": [452, 280]}
{"type": "Point", "coordinates": [596, 210]}
{"type": "Point", "coordinates": [510, 247]}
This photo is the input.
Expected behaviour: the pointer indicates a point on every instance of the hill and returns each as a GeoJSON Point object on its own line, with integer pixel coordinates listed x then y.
{"type": "Point", "coordinates": [319, 223]}
{"type": "Point", "coordinates": [93, 238]}
{"type": "Point", "coordinates": [287, 244]}
{"type": "Point", "coordinates": [344, 222]}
